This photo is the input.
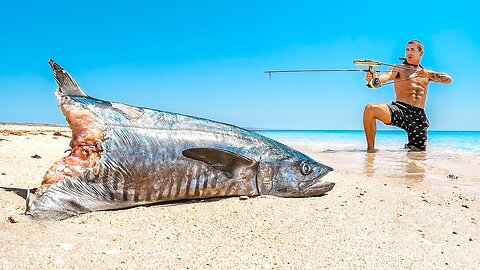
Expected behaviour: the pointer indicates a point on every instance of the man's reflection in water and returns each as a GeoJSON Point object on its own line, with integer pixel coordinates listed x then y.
{"type": "Point", "coordinates": [369, 164]}
{"type": "Point", "coordinates": [415, 166]}
{"type": "Point", "coordinates": [409, 164]}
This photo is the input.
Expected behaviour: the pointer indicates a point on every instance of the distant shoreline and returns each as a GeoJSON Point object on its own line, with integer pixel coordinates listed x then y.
{"type": "Point", "coordinates": [31, 124]}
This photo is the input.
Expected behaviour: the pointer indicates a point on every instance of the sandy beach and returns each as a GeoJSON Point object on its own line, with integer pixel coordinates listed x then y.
{"type": "Point", "coordinates": [368, 221]}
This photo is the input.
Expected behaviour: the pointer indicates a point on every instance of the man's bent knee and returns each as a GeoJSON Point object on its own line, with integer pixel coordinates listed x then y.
{"type": "Point", "coordinates": [369, 110]}
{"type": "Point", "coordinates": [377, 111]}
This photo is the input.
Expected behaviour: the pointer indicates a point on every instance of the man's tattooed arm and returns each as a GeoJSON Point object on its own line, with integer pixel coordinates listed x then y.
{"type": "Point", "coordinates": [439, 77]}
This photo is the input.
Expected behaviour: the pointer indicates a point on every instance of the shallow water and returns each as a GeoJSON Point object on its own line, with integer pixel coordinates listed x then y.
{"type": "Point", "coordinates": [451, 162]}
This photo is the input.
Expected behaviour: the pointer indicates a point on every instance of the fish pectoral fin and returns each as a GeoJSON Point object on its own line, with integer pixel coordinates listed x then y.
{"type": "Point", "coordinates": [220, 159]}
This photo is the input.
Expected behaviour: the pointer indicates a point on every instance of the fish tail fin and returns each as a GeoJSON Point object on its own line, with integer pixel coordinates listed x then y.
{"type": "Point", "coordinates": [66, 84]}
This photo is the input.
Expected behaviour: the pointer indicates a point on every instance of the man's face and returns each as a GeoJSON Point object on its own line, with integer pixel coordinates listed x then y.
{"type": "Point", "coordinates": [412, 54]}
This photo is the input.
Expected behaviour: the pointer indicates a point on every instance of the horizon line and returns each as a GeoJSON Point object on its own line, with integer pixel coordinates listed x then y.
{"type": "Point", "coordinates": [247, 128]}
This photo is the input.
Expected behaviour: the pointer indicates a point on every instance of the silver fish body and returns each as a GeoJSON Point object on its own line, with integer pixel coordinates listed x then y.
{"type": "Point", "coordinates": [124, 156]}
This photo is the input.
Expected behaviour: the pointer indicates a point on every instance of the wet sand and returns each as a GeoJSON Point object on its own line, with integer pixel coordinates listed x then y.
{"type": "Point", "coordinates": [374, 217]}
{"type": "Point", "coordinates": [454, 172]}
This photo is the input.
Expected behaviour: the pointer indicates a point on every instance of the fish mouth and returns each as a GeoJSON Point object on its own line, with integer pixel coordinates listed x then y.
{"type": "Point", "coordinates": [85, 149]}
{"type": "Point", "coordinates": [316, 186]}
{"type": "Point", "coordinates": [319, 188]}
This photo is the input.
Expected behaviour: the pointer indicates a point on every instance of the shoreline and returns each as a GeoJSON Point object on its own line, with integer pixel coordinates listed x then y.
{"type": "Point", "coordinates": [366, 221]}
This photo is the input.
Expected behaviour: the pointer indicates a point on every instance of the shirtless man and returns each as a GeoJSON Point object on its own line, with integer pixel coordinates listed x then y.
{"type": "Point", "coordinates": [407, 111]}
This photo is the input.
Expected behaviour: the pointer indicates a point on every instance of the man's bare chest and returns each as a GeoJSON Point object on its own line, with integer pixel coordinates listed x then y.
{"type": "Point", "coordinates": [411, 75]}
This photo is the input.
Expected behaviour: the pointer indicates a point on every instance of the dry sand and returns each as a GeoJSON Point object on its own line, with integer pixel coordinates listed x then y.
{"type": "Point", "coordinates": [364, 222]}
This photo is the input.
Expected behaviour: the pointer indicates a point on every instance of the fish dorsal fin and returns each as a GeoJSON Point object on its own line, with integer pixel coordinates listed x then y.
{"type": "Point", "coordinates": [66, 84]}
{"type": "Point", "coordinates": [220, 159]}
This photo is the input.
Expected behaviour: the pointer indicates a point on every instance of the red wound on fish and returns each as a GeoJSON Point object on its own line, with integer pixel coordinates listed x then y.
{"type": "Point", "coordinates": [85, 148]}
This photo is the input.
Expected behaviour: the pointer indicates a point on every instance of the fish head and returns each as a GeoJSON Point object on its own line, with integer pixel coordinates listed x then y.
{"type": "Point", "coordinates": [300, 176]}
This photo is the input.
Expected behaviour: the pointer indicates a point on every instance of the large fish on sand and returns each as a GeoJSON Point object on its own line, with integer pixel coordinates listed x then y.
{"type": "Point", "coordinates": [123, 156]}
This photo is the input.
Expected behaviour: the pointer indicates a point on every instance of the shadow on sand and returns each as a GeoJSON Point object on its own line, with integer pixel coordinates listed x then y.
{"type": "Point", "coordinates": [22, 192]}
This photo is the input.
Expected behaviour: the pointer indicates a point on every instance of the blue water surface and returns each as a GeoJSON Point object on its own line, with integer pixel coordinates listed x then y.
{"type": "Point", "coordinates": [468, 141]}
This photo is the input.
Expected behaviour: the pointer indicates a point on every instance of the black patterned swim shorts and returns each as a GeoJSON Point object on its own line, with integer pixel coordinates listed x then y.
{"type": "Point", "coordinates": [414, 121]}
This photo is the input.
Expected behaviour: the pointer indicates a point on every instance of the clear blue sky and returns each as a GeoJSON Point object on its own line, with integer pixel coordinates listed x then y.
{"type": "Point", "coordinates": [207, 58]}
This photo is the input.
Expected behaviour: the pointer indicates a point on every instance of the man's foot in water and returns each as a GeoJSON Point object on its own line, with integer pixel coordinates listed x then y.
{"type": "Point", "coordinates": [412, 148]}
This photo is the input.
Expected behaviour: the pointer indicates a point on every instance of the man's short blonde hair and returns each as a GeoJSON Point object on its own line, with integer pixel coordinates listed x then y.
{"type": "Point", "coordinates": [417, 42]}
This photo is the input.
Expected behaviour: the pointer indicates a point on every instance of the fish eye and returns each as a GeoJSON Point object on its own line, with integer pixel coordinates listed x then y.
{"type": "Point", "coordinates": [305, 168]}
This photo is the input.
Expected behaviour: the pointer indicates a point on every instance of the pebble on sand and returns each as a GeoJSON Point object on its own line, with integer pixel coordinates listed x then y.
{"type": "Point", "coordinates": [452, 176]}
{"type": "Point", "coordinates": [11, 219]}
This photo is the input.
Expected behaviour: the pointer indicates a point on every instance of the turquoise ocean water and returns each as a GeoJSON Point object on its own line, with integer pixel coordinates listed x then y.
{"type": "Point", "coordinates": [454, 153]}
{"type": "Point", "coordinates": [468, 141]}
